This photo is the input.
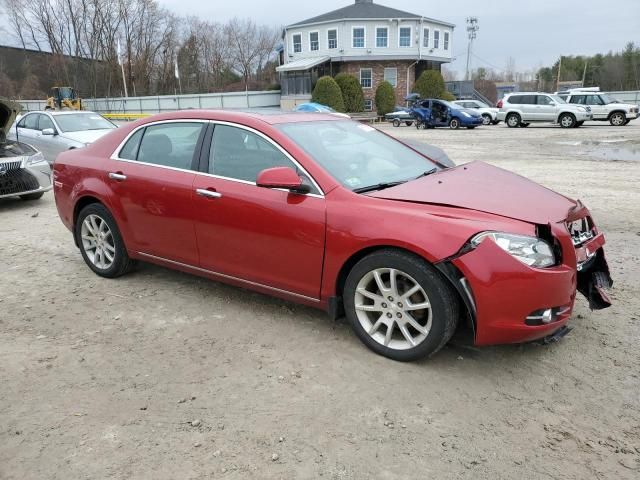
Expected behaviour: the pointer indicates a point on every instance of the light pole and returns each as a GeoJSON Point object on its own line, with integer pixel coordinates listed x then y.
{"type": "Point", "coordinates": [472, 29]}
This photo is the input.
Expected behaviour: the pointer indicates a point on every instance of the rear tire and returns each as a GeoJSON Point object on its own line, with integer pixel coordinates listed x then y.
{"type": "Point", "coordinates": [617, 119]}
{"type": "Point", "coordinates": [408, 124]}
{"type": "Point", "coordinates": [31, 196]}
{"type": "Point", "coordinates": [421, 323]}
{"type": "Point", "coordinates": [454, 124]}
{"type": "Point", "coordinates": [396, 122]}
{"type": "Point", "coordinates": [567, 120]}
{"type": "Point", "coordinates": [513, 120]}
{"type": "Point", "coordinates": [486, 119]}
{"type": "Point", "coordinates": [99, 238]}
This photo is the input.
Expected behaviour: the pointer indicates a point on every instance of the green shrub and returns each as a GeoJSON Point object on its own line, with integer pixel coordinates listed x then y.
{"type": "Point", "coordinates": [431, 85]}
{"type": "Point", "coordinates": [385, 98]}
{"type": "Point", "coordinates": [351, 92]}
{"type": "Point", "coordinates": [327, 92]}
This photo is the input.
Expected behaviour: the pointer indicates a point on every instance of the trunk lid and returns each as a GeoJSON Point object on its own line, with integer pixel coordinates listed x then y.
{"type": "Point", "coordinates": [483, 187]}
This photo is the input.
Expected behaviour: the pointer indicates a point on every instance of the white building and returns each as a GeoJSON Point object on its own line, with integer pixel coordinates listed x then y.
{"type": "Point", "coordinates": [365, 39]}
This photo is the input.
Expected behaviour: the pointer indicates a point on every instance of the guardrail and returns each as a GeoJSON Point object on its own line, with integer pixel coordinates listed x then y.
{"type": "Point", "coordinates": [170, 103]}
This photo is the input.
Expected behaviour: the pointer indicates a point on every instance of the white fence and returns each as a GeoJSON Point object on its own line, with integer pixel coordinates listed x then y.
{"type": "Point", "coordinates": [168, 103]}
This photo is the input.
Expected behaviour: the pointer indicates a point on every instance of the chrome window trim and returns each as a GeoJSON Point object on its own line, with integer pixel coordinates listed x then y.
{"type": "Point", "coordinates": [230, 277]}
{"type": "Point", "coordinates": [116, 152]}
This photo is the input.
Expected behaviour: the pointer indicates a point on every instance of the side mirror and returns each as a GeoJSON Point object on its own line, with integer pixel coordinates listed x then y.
{"type": "Point", "coordinates": [282, 177]}
{"type": "Point", "coordinates": [48, 131]}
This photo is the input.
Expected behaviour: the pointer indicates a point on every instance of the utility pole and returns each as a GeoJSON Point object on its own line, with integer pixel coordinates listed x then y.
{"type": "Point", "coordinates": [584, 74]}
{"type": "Point", "coordinates": [472, 29]}
{"type": "Point", "coordinates": [559, 72]}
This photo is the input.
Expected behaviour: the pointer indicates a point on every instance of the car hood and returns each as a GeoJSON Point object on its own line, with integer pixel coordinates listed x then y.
{"type": "Point", "coordinates": [8, 112]}
{"type": "Point", "coordinates": [483, 187]}
{"type": "Point", "coordinates": [86, 136]}
{"type": "Point", "coordinates": [471, 111]}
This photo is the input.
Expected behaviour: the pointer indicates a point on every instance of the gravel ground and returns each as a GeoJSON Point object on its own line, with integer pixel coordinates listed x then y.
{"type": "Point", "coordinates": [164, 375]}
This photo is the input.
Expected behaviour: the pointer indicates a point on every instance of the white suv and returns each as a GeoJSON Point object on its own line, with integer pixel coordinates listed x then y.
{"type": "Point", "coordinates": [489, 114]}
{"type": "Point", "coordinates": [603, 107]}
{"type": "Point", "coordinates": [521, 109]}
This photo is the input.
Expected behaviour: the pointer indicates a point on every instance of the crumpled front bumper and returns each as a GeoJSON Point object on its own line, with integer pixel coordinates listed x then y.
{"type": "Point", "coordinates": [509, 297]}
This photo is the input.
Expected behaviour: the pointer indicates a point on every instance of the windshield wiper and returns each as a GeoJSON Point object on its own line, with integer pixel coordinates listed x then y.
{"type": "Point", "coordinates": [427, 173]}
{"type": "Point", "coordinates": [379, 186]}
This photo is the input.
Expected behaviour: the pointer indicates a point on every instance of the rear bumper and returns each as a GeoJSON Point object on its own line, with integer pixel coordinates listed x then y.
{"type": "Point", "coordinates": [509, 297]}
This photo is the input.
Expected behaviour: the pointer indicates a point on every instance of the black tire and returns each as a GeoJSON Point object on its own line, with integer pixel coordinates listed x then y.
{"type": "Point", "coordinates": [418, 124]}
{"type": "Point", "coordinates": [495, 122]}
{"type": "Point", "coordinates": [408, 124]}
{"type": "Point", "coordinates": [567, 120]}
{"type": "Point", "coordinates": [471, 128]}
{"type": "Point", "coordinates": [121, 262]}
{"type": "Point", "coordinates": [579, 124]}
{"type": "Point", "coordinates": [524, 125]}
{"type": "Point", "coordinates": [396, 122]}
{"type": "Point", "coordinates": [513, 120]}
{"type": "Point", "coordinates": [628, 121]}
{"type": "Point", "coordinates": [443, 302]}
{"type": "Point", "coordinates": [617, 119]}
{"type": "Point", "coordinates": [31, 196]}
{"type": "Point", "coordinates": [454, 124]}
{"type": "Point", "coordinates": [486, 119]}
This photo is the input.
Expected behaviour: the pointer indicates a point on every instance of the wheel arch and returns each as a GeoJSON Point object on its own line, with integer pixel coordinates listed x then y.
{"type": "Point", "coordinates": [81, 203]}
{"type": "Point", "coordinates": [616, 111]}
{"type": "Point", "coordinates": [448, 271]}
{"type": "Point", "coordinates": [565, 112]}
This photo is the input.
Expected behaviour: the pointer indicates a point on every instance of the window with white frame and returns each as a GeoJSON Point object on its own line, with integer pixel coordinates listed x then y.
{"type": "Point", "coordinates": [332, 39]}
{"type": "Point", "coordinates": [391, 76]}
{"type": "Point", "coordinates": [382, 37]}
{"type": "Point", "coordinates": [297, 43]}
{"type": "Point", "coordinates": [358, 37]}
{"type": "Point", "coordinates": [314, 41]}
{"type": "Point", "coordinates": [425, 38]}
{"type": "Point", "coordinates": [446, 40]}
{"type": "Point", "coordinates": [405, 36]}
{"type": "Point", "coordinates": [436, 39]}
{"type": "Point", "coordinates": [368, 105]}
{"type": "Point", "coordinates": [366, 78]}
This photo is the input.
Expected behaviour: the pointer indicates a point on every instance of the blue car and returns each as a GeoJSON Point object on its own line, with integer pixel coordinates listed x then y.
{"type": "Point", "coordinates": [318, 108]}
{"type": "Point", "coordinates": [433, 113]}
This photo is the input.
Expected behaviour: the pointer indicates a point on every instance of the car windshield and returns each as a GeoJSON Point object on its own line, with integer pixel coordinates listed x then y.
{"type": "Point", "coordinates": [357, 155]}
{"type": "Point", "coordinates": [78, 122]}
{"type": "Point", "coordinates": [607, 99]}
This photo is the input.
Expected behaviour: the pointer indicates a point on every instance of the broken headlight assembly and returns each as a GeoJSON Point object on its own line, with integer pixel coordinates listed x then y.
{"type": "Point", "coordinates": [35, 160]}
{"type": "Point", "coordinates": [531, 251]}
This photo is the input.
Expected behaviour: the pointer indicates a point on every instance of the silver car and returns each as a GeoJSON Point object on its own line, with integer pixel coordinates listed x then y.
{"type": "Point", "coordinates": [24, 172]}
{"type": "Point", "coordinates": [489, 114]}
{"type": "Point", "coordinates": [53, 132]}
{"type": "Point", "coordinates": [521, 109]}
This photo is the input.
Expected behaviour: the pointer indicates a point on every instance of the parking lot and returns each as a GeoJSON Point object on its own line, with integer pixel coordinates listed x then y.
{"type": "Point", "coordinates": [165, 375]}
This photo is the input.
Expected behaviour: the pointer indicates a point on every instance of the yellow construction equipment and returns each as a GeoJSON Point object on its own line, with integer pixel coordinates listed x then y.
{"type": "Point", "coordinates": [63, 98]}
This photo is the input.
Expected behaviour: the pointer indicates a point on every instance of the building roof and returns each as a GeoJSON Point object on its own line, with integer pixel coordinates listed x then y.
{"type": "Point", "coordinates": [303, 64]}
{"type": "Point", "coordinates": [362, 10]}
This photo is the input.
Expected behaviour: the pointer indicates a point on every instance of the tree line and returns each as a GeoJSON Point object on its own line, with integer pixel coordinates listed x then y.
{"type": "Point", "coordinates": [92, 41]}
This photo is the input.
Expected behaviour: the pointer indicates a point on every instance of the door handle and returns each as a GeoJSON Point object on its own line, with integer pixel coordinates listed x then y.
{"type": "Point", "coordinates": [208, 193]}
{"type": "Point", "coordinates": [117, 176]}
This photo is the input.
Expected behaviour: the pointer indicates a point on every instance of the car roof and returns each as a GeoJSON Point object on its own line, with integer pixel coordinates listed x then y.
{"type": "Point", "coordinates": [59, 112]}
{"type": "Point", "coordinates": [271, 117]}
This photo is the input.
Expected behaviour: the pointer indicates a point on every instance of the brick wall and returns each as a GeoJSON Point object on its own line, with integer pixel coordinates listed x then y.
{"type": "Point", "coordinates": [377, 67]}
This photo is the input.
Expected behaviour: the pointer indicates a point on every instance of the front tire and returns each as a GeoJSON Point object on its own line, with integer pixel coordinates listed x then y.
{"type": "Point", "coordinates": [454, 124]}
{"type": "Point", "coordinates": [31, 196]}
{"type": "Point", "coordinates": [400, 306]}
{"type": "Point", "coordinates": [617, 119]}
{"type": "Point", "coordinates": [567, 120]}
{"type": "Point", "coordinates": [408, 124]}
{"type": "Point", "coordinates": [486, 119]}
{"type": "Point", "coordinates": [513, 120]}
{"type": "Point", "coordinates": [101, 243]}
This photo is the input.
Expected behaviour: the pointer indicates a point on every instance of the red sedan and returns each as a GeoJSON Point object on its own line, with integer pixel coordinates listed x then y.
{"type": "Point", "coordinates": [338, 215]}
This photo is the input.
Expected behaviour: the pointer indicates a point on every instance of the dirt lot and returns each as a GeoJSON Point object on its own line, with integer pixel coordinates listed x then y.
{"type": "Point", "coordinates": [168, 376]}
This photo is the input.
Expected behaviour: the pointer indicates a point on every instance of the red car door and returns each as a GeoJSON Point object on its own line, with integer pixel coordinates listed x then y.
{"type": "Point", "coordinates": [152, 181]}
{"type": "Point", "coordinates": [271, 237]}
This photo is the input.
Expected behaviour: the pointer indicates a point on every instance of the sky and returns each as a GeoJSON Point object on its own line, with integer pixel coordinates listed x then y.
{"type": "Point", "coordinates": [533, 32]}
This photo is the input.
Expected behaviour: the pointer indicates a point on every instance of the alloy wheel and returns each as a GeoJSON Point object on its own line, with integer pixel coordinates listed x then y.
{"type": "Point", "coordinates": [567, 121]}
{"type": "Point", "coordinates": [97, 241]}
{"type": "Point", "coordinates": [393, 308]}
{"type": "Point", "coordinates": [617, 119]}
{"type": "Point", "coordinates": [486, 119]}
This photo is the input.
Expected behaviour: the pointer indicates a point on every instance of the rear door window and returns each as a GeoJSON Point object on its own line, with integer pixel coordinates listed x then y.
{"type": "Point", "coordinates": [170, 144]}
{"type": "Point", "coordinates": [578, 99]}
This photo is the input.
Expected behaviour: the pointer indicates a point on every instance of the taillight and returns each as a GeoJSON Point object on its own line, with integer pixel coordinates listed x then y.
{"type": "Point", "coordinates": [499, 104]}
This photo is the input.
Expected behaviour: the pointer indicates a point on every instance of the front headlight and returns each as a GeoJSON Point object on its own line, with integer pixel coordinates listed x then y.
{"type": "Point", "coordinates": [35, 160]}
{"type": "Point", "coordinates": [466, 114]}
{"type": "Point", "coordinates": [531, 251]}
